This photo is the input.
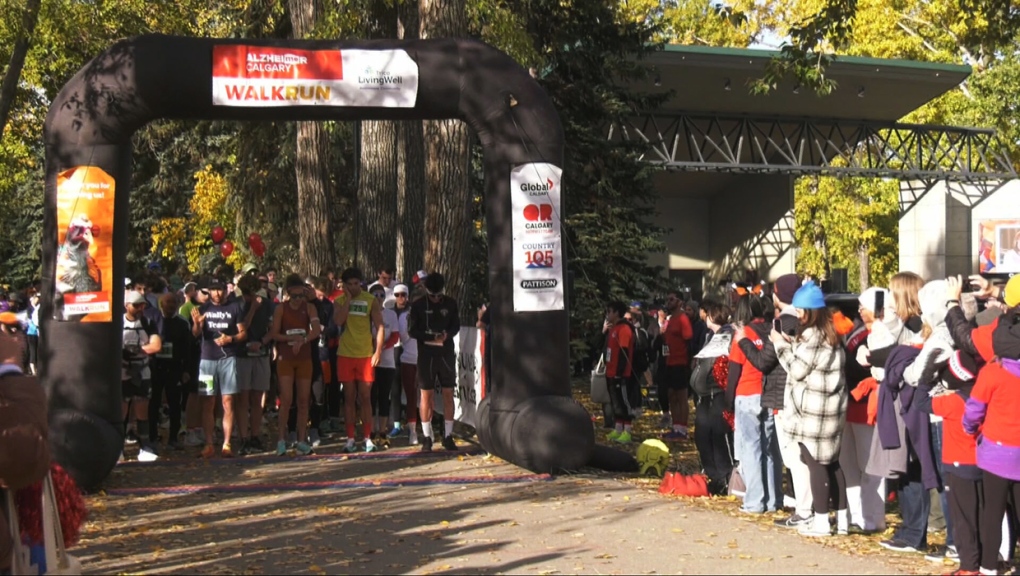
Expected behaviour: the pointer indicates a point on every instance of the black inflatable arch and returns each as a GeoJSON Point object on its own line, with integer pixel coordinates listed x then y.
{"type": "Point", "coordinates": [529, 417]}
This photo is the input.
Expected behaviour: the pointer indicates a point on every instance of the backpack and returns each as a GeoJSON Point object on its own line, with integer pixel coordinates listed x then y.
{"type": "Point", "coordinates": [642, 351]}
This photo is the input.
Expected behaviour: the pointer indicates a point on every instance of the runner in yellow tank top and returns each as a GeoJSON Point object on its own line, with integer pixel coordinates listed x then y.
{"type": "Point", "coordinates": [356, 340]}
{"type": "Point", "coordinates": [357, 313]}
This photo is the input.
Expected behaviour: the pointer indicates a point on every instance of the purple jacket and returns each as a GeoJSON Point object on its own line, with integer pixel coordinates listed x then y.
{"type": "Point", "coordinates": [891, 387]}
{"type": "Point", "coordinates": [1000, 459]}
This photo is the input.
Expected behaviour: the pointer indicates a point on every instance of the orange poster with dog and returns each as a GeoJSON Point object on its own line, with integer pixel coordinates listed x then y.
{"type": "Point", "coordinates": [84, 275]}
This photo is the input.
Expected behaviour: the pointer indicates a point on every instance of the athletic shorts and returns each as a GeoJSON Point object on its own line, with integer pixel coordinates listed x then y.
{"type": "Point", "coordinates": [433, 369]}
{"type": "Point", "coordinates": [218, 377]}
{"type": "Point", "coordinates": [131, 390]}
{"type": "Point", "coordinates": [354, 369]}
{"type": "Point", "coordinates": [253, 373]}
{"type": "Point", "coordinates": [676, 377]}
{"type": "Point", "coordinates": [297, 369]}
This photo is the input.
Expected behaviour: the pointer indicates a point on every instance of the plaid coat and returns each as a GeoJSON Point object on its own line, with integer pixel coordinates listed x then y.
{"type": "Point", "coordinates": [814, 408]}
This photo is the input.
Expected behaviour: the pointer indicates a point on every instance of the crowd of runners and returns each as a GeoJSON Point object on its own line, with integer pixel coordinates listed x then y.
{"type": "Point", "coordinates": [216, 362]}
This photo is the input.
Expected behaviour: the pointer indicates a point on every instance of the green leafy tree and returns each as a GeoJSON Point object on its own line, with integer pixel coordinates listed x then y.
{"type": "Point", "coordinates": [591, 55]}
{"type": "Point", "coordinates": [847, 223]}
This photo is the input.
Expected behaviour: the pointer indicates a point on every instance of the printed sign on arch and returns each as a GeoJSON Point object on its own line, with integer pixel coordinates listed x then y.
{"type": "Point", "coordinates": [537, 249]}
{"type": "Point", "coordinates": [272, 76]}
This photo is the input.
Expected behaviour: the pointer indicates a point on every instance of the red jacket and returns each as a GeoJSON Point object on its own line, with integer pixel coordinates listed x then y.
{"type": "Point", "coordinates": [958, 447]}
{"type": "Point", "coordinates": [678, 332]}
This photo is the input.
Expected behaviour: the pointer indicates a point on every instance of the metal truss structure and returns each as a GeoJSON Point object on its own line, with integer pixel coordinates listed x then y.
{"type": "Point", "coordinates": [756, 254]}
{"type": "Point", "coordinates": [972, 160]}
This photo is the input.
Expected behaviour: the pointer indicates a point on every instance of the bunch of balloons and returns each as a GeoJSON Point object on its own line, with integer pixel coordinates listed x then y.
{"type": "Point", "coordinates": [219, 235]}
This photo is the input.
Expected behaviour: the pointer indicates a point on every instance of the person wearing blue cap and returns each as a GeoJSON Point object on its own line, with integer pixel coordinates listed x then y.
{"type": "Point", "coordinates": [815, 404]}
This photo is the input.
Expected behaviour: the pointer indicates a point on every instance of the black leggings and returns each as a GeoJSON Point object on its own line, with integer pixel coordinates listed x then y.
{"type": "Point", "coordinates": [169, 383]}
{"type": "Point", "coordinates": [965, 503]}
{"type": "Point", "coordinates": [384, 378]}
{"type": "Point", "coordinates": [714, 440]}
{"type": "Point", "coordinates": [827, 482]}
{"type": "Point", "coordinates": [997, 493]}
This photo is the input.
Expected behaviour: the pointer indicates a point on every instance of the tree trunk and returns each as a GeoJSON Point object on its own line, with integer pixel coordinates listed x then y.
{"type": "Point", "coordinates": [410, 170]}
{"type": "Point", "coordinates": [863, 258]}
{"type": "Point", "coordinates": [315, 234]}
{"type": "Point", "coordinates": [410, 199]}
{"type": "Point", "coordinates": [447, 156]}
{"type": "Point", "coordinates": [9, 87]}
{"type": "Point", "coordinates": [377, 197]}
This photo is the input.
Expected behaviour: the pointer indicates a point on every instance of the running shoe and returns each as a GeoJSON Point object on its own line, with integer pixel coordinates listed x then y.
{"type": "Point", "coordinates": [147, 455]}
{"type": "Point", "coordinates": [131, 438]}
{"type": "Point", "coordinates": [943, 553]}
{"type": "Point", "coordinates": [674, 436]}
{"type": "Point", "coordinates": [194, 438]}
{"type": "Point", "coordinates": [369, 446]}
{"type": "Point", "coordinates": [349, 447]}
{"type": "Point", "coordinates": [303, 449]}
{"type": "Point", "coordinates": [623, 438]}
{"type": "Point", "coordinates": [793, 521]}
{"type": "Point", "coordinates": [255, 445]}
{"type": "Point", "coordinates": [412, 438]}
{"type": "Point", "coordinates": [395, 432]}
{"type": "Point", "coordinates": [897, 546]}
{"type": "Point", "coordinates": [281, 448]}
{"type": "Point", "coordinates": [426, 444]}
{"type": "Point", "coordinates": [614, 435]}
{"type": "Point", "coordinates": [313, 438]}
{"type": "Point", "coordinates": [449, 443]}
{"type": "Point", "coordinates": [208, 451]}
{"type": "Point", "coordinates": [226, 452]}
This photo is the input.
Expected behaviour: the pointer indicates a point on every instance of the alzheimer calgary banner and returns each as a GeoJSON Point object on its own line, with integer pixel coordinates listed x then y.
{"type": "Point", "coordinates": [537, 251]}
{"type": "Point", "coordinates": [85, 235]}
{"type": "Point", "coordinates": [265, 76]}
{"type": "Point", "coordinates": [470, 390]}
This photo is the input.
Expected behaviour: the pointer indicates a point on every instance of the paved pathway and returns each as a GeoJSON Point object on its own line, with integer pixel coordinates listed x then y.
{"type": "Point", "coordinates": [448, 514]}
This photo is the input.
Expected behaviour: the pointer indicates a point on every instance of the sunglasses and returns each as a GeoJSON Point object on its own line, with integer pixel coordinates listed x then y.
{"type": "Point", "coordinates": [400, 295]}
{"type": "Point", "coordinates": [295, 295]}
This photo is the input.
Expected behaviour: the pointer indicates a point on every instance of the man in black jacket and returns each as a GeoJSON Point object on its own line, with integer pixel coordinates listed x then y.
{"type": "Point", "coordinates": [434, 322]}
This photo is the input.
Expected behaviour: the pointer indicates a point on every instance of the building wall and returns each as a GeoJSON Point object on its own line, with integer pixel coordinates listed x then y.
{"type": "Point", "coordinates": [722, 224]}
{"type": "Point", "coordinates": [939, 236]}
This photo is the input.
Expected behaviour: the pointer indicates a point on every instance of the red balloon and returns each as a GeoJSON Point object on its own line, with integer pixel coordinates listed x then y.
{"type": "Point", "coordinates": [259, 249]}
{"type": "Point", "coordinates": [218, 234]}
{"type": "Point", "coordinates": [227, 248]}
{"type": "Point", "coordinates": [254, 239]}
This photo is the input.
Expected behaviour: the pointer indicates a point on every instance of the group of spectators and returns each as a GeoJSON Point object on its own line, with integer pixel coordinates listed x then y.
{"type": "Point", "coordinates": [909, 390]}
{"type": "Point", "coordinates": [321, 353]}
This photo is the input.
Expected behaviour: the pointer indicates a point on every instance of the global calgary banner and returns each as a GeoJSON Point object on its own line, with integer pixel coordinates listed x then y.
{"type": "Point", "coordinates": [85, 238]}
{"type": "Point", "coordinates": [266, 76]}
{"type": "Point", "coordinates": [537, 250]}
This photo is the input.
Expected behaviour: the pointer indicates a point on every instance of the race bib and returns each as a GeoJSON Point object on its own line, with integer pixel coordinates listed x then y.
{"type": "Point", "coordinates": [296, 332]}
{"type": "Point", "coordinates": [207, 383]}
{"type": "Point", "coordinates": [166, 352]}
{"type": "Point", "coordinates": [609, 355]}
{"type": "Point", "coordinates": [255, 350]}
{"type": "Point", "coordinates": [665, 350]}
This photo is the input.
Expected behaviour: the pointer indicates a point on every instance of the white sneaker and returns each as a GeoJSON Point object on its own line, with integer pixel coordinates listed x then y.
{"type": "Point", "coordinates": [313, 438]}
{"type": "Point", "coordinates": [194, 438]}
{"type": "Point", "coordinates": [144, 455]}
{"type": "Point", "coordinates": [412, 439]}
{"type": "Point", "coordinates": [818, 527]}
